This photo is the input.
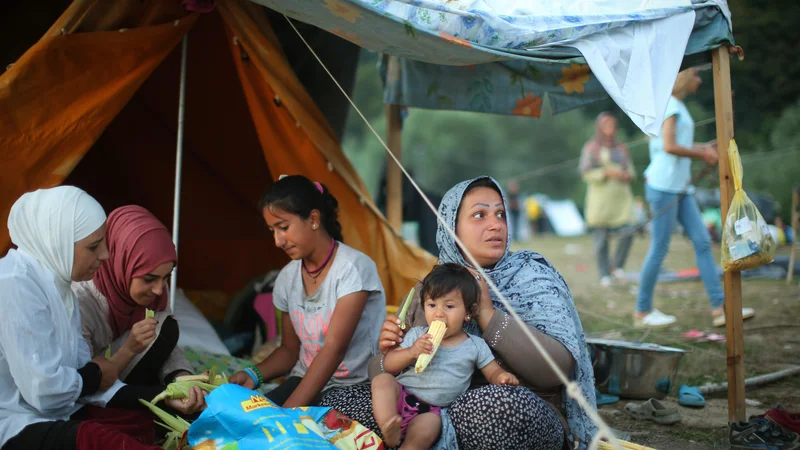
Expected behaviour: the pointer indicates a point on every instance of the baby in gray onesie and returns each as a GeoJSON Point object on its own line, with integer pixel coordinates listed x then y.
{"type": "Point", "coordinates": [407, 404]}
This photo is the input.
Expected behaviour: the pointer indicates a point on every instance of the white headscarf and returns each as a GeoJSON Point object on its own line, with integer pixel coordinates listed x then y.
{"type": "Point", "coordinates": [47, 223]}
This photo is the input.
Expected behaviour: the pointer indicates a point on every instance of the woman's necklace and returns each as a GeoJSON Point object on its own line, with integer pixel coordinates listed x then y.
{"type": "Point", "coordinates": [316, 272]}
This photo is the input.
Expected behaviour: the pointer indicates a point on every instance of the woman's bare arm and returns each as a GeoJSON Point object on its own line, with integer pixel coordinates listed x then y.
{"type": "Point", "coordinates": [507, 339]}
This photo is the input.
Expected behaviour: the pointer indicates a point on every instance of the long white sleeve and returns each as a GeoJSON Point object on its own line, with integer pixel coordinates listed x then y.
{"type": "Point", "coordinates": [101, 398]}
{"type": "Point", "coordinates": [29, 339]}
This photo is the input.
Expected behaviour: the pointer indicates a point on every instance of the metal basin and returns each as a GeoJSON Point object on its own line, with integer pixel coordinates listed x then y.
{"type": "Point", "coordinates": [634, 370]}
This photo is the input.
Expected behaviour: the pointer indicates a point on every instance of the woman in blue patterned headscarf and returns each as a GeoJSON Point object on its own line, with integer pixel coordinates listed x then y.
{"type": "Point", "coordinates": [538, 414]}
{"type": "Point", "coordinates": [539, 295]}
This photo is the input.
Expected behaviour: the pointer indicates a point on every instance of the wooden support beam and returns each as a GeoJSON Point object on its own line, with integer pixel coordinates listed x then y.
{"type": "Point", "coordinates": [723, 103]}
{"type": "Point", "coordinates": [394, 177]}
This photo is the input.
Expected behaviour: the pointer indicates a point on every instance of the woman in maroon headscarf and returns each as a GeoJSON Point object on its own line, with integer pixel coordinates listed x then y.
{"type": "Point", "coordinates": [607, 169]}
{"type": "Point", "coordinates": [113, 304]}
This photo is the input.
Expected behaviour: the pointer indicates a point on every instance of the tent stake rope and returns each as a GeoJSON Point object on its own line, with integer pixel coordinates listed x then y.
{"type": "Point", "coordinates": [650, 332]}
{"type": "Point", "coordinates": [572, 388]}
{"type": "Point", "coordinates": [176, 212]}
{"type": "Point", "coordinates": [749, 158]}
{"type": "Point", "coordinates": [570, 162]}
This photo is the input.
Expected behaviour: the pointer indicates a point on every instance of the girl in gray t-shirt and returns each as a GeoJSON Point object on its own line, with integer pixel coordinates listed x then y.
{"type": "Point", "coordinates": [330, 294]}
{"type": "Point", "coordinates": [404, 400]}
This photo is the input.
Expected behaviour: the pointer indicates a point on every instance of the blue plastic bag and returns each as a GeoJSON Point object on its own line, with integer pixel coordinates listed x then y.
{"type": "Point", "coordinates": [238, 418]}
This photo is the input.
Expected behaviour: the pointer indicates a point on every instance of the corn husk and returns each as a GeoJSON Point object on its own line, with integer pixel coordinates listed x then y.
{"type": "Point", "coordinates": [404, 311]}
{"type": "Point", "coordinates": [175, 425]}
{"type": "Point", "coordinates": [180, 390]}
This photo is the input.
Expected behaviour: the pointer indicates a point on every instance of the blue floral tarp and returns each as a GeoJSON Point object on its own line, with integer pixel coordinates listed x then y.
{"type": "Point", "coordinates": [463, 55]}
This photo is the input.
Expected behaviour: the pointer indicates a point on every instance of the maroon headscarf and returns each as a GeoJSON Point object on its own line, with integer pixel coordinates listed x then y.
{"type": "Point", "coordinates": [137, 244]}
{"type": "Point", "coordinates": [590, 156]}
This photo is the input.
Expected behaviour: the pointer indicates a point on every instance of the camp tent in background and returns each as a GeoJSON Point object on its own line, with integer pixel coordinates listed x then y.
{"type": "Point", "coordinates": [94, 103]}
{"type": "Point", "coordinates": [565, 218]}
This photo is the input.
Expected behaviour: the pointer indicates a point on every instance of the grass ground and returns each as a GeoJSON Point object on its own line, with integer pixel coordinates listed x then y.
{"type": "Point", "coordinates": [772, 341]}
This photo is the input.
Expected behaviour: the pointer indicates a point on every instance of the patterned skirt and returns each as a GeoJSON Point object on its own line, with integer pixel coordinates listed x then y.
{"type": "Point", "coordinates": [485, 418]}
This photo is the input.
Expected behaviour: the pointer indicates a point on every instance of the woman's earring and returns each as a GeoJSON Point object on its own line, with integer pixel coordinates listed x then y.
{"type": "Point", "coordinates": [314, 226]}
{"type": "Point", "coordinates": [468, 318]}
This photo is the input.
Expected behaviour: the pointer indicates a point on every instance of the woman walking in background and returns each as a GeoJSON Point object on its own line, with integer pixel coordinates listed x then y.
{"type": "Point", "coordinates": [607, 169]}
{"type": "Point", "coordinates": [669, 177]}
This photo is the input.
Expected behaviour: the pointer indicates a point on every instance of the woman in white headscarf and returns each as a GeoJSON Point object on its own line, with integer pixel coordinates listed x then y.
{"type": "Point", "coordinates": [46, 370]}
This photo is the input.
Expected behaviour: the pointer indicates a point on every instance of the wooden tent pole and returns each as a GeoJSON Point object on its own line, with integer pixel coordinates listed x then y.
{"type": "Point", "coordinates": [795, 224]}
{"type": "Point", "coordinates": [394, 177]}
{"type": "Point", "coordinates": [723, 103]}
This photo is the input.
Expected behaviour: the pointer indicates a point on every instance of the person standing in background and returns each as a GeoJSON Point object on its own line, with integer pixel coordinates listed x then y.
{"type": "Point", "coordinates": [513, 209]}
{"type": "Point", "coordinates": [607, 169]}
{"type": "Point", "coordinates": [533, 211]}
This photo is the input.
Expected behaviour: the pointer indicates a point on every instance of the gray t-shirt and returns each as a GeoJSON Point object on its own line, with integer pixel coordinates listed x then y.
{"type": "Point", "coordinates": [450, 371]}
{"type": "Point", "coordinates": [351, 271]}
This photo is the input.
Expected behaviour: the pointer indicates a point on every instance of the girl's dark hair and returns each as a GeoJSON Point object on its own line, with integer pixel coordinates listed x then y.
{"type": "Point", "coordinates": [298, 195]}
{"type": "Point", "coordinates": [448, 277]}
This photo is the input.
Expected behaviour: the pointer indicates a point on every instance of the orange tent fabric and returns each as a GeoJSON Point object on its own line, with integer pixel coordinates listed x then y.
{"type": "Point", "coordinates": [94, 104]}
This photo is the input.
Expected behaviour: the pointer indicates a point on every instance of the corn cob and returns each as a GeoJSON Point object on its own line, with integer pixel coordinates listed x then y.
{"type": "Point", "coordinates": [149, 314]}
{"type": "Point", "coordinates": [209, 377]}
{"type": "Point", "coordinates": [625, 445]}
{"type": "Point", "coordinates": [404, 311]}
{"type": "Point", "coordinates": [436, 330]}
{"type": "Point", "coordinates": [180, 389]}
{"type": "Point", "coordinates": [203, 378]}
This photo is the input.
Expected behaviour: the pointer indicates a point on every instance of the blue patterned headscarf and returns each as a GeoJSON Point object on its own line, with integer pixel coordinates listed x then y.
{"type": "Point", "coordinates": [540, 296]}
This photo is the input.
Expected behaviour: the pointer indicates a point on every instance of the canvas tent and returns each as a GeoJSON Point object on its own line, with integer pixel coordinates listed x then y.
{"type": "Point", "coordinates": [496, 55]}
{"type": "Point", "coordinates": [542, 65]}
{"type": "Point", "coordinates": [94, 103]}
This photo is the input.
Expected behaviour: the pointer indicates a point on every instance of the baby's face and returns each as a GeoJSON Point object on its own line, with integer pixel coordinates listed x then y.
{"type": "Point", "coordinates": [448, 308]}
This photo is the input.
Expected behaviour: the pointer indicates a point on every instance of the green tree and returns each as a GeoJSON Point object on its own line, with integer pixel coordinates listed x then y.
{"type": "Point", "coordinates": [359, 143]}
{"type": "Point", "coordinates": [765, 83]}
{"type": "Point", "coordinates": [778, 169]}
{"type": "Point", "coordinates": [444, 147]}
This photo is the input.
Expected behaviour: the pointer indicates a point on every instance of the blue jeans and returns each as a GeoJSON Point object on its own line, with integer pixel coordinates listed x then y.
{"type": "Point", "coordinates": [688, 214]}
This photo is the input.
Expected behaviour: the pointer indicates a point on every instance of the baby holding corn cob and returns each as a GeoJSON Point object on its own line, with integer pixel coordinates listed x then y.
{"type": "Point", "coordinates": [407, 402]}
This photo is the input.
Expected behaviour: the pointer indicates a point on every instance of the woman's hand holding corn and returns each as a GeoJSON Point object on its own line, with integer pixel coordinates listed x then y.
{"type": "Point", "coordinates": [142, 334]}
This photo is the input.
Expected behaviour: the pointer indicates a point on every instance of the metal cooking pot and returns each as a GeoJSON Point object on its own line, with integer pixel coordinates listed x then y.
{"type": "Point", "coordinates": [632, 369]}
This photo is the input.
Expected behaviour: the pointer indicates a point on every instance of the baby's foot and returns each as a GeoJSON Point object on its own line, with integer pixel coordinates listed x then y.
{"type": "Point", "coordinates": [391, 432]}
